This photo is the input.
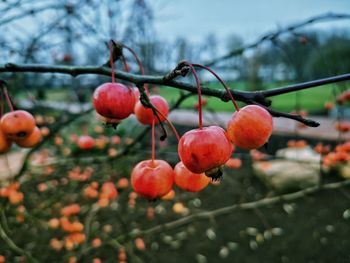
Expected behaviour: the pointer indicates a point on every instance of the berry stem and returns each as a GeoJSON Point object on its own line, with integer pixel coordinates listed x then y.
{"type": "Point", "coordinates": [169, 122]}
{"type": "Point", "coordinates": [8, 100]}
{"type": "Point", "coordinates": [221, 81]}
{"type": "Point", "coordinates": [111, 59]}
{"type": "Point", "coordinates": [139, 63]}
{"type": "Point", "coordinates": [153, 140]}
{"type": "Point", "coordinates": [125, 65]}
{"type": "Point", "coordinates": [194, 72]}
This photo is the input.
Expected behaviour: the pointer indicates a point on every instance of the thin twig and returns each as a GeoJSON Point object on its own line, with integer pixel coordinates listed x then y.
{"type": "Point", "coordinates": [229, 209]}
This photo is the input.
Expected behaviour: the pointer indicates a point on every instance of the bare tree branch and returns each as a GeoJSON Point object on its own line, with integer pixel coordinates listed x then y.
{"type": "Point", "coordinates": [229, 209]}
{"type": "Point", "coordinates": [272, 35]}
{"type": "Point", "coordinates": [252, 97]}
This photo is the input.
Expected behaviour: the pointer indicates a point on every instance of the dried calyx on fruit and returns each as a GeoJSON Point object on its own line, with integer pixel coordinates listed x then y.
{"type": "Point", "coordinates": [206, 149]}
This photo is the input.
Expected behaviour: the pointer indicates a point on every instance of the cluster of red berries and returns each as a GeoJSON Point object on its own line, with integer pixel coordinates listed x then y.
{"type": "Point", "coordinates": [202, 151]}
{"type": "Point", "coordinates": [18, 126]}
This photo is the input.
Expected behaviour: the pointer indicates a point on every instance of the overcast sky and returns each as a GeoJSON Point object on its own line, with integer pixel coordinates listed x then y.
{"type": "Point", "coordinates": [194, 19]}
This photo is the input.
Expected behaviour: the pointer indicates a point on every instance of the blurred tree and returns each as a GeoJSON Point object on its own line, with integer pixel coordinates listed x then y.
{"type": "Point", "coordinates": [335, 51]}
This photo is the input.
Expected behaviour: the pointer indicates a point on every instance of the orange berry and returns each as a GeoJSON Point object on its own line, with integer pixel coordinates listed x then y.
{"type": "Point", "coordinates": [20, 218]}
{"type": "Point", "coordinates": [115, 139]}
{"type": "Point", "coordinates": [179, 208]}
{"type": "Point", "coordinates": [39, 119]}
{"type": "Point", "coordinates": [169, 196]}
{"type": "Point", "coordinates": [98, 129]}
{"type": "Point", "coordinates": [54, 223]}
{"type": "Point", "coordinates": [44, 131]}
{"type": "Point", "coordinates": [58, 141]}
{"type": "Point", "coordinates": [107, 228]}
{"type": "Point", "coordinates": [109, 190]}
{"type": "Point", "coordinates": [328, 105]}
{"type": "Point", "coordinates": [94, 185]}
{"type": "Point", "coordinates": [96, 242]}
{"type": "Point", "coordinates": [121, 255]}
{"type": "Point", "coordinates": [90, 192]}
{"type": "Point", "coordinates": [140, 244]}
{"type": "Point", "coordinates": [56, 244]}
{"type": "Point", "coordinates": [17, 125]}
{"type": "Point", "coordinates": [103, 202]}
{"type": "Point", "coordinates": [234, 163]}
{"type": "Point", "coordinates": [72, 209]}
{"type": "Point", "coordinates": [42, 187]}
{"type": "Point", "coordinates": [72, 259]}
{"type": "Point", "coordinates": [112, 152]}
{"type": "Point", "coordinates": [15, 197]}
{"type": "Point", "coordinates": [123, 183]}
{"type": "Point", "coordinates": [150, 213]}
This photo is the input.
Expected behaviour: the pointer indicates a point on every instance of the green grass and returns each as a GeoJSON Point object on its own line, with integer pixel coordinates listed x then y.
{"type": "Point", "coordinates": [310, 99]}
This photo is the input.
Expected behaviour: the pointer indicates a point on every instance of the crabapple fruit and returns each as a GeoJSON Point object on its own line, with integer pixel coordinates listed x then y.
{"type": "Point", "coordinates": [250, 127]}
{"type": "Point", "coordinates": [17, 125]}
{"type": "Point", "coordinates": [152, 179]}
{"type": "Point", "coordinates": [114, 100]}
{"type": "Point", "coordinates": [189, 181]}
{"type": "Point", "coordinates": [205, 150]}
{"type": "Point", "coordinates": [145, 115]}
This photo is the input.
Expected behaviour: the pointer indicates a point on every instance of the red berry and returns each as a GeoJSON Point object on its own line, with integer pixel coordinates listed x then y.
{"type": "Point", "coordinates": [17, 125]}
{"type": "Point", "coordinates": [86, 142]}
{"type": "Point", "coordinates": [250, 127]}
{"type": "Point", "coordinates": [342, 126]}
{"type": "Point", "coordinates": [114, 100]}
{"type": "Point", "coordinates": [189, 181]}
{"type": "Point", "coordinates": [145, 115]}
{"type": "Point", "coordinates": [152, 179]}
{"type": "Point", "coordinates": [328, 105]}
{"type": "Point", "coordinates": [67, 57]}
{"type": "Point", "coordinates": [205, 150]}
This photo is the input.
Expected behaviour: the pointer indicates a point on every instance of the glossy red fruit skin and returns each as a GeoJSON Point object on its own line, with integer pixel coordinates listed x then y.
{"type": "Point", "coordinates": [33, 139]}
{"type": "Point", "coordinates": [86, 142]}
{"type": "Point", "coordinates": [17, 125]}
{"type": "Point", "coordinates": [5, 144]}
{"type": "Point", "coordinates": [189, 181]}
{"type": "Point", "coordinates": [201, 150]}
{"type": "Point", "coordinates": [250, 127]}
{"type": "Point", "coordinates": [114, 100]}
{"type": "Point", "coordinates": [152, 180]}
{"type": "Point", "coordinates": [145, 115]}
